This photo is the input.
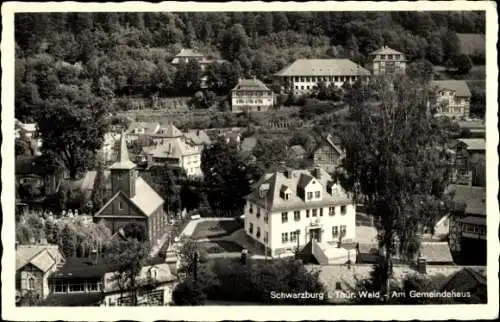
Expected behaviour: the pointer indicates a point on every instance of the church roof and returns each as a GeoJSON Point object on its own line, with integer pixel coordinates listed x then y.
{"type": "Point", "coordinates": [123, 159]}
{"type": "Point", "coordinates": [146, 198]}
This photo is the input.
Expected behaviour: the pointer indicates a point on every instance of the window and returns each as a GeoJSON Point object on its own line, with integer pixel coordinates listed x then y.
{"type": "Point", "coordinates": [120, 206]}
{"type": "Point", "coordinates": [284, 217]}
{"type": "Point", "coordinates": [258, 213]}
{"type": "Point", "coordinates": [309, 195]}
{"type": "Point", "coordinates": [397, 56]}
{"type": "Point", "coordinates": [92, 287]}
{"type": "Point", "coordinates": [321, 212]}
{"type": "Point", "coordinates": [336, 78]}
{"type": "Point", "coordinates": [293, 236]}
{"type": "Point", "coordinates": [335, 231]}
{"type": "Point", "coordinates": [315, 212]}
{"type": "Point", "coordinates": [389, 57]}
{"type": "Point", "coordinates": [307, 213]}
{"type": "Point", "coordinates": [331, 211]}
{"type": "Point", "coordinates": [317, 194]}
{"type": "Point", "coordinates": [266, 218]}
{"type": "Point", "coordinates": [338, 286]}
{"type": "Point", "coordinates": [382, 56]}
{"type": "Point", "coordinates": [250, 229]}
{"type": "Point", "coordinates": [78, 287]}
{"type": "Point", "coordinates": [302, 80]}
{"type": "Point", "coordinates": [284, 238]}
{"type": "Point", "coordinates": [308, 79]}
{"type": "Point", "coordinates": [296, 78]}
{"type": "Point", "coordinates": [296, 215]}
{"type": "Point", "coordinates": [343, 210]}
{"type": "Point", "coordinates": [302, 87]}
{"type": "Point", "coordinates": [31, 283]}
{"type": "Point", "coordinates": [287, 196]}
{"type": "Point", "coordinates": [296, 86]}
{"type": "Point", "coordinates": [258, 232]}
{"type": "Point", "coordinates": [343, 230]}
{"type": "Point", "coordinates": [250, 209]}
{"type": "Point", "coordinates": [307, 86]}
{"type": "Point", "coordinates": [59, 287]}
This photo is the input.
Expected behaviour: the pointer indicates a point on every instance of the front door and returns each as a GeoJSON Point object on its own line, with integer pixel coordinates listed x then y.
{"type": "Point", "coordinates": [315, 234]}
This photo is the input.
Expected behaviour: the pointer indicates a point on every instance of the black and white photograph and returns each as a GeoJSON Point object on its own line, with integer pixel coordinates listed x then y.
{"type": "Point", "coordinates": [250, 155]}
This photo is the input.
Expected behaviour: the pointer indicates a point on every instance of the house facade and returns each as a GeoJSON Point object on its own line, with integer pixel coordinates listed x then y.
{"type": "Point", "coordinates": [175, 148]}
{"type": "Point", "coordinates": [329, 154]}
{"type": "Point", "coordinates": [303, 75]}
{"type": "Point", "coordinates": [288, 209]}
{"type": "Point", "coordinates": [387, 61]}
{"type": "Point", "coordinates": [133, 201]}
{"type": "Point", "coordinates": [186, 55]}
{"type": "Point", "coordinates": [453, 98]}
{"type": "Point", "coordinates": [251, 95]}
{"type": "Point", "coordinates": [468, 153]}
{"type": "Point", "coordinates": [34, 265]}
{"type": "Point", "coordinates": [467, 226]}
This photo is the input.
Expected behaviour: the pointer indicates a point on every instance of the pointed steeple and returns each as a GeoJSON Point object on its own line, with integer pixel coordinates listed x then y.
{"type": "Point", "coordinates": [123, 161]}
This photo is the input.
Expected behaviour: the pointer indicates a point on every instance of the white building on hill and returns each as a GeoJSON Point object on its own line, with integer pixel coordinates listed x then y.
{"type": "Point", "coordinates": [251, 95]}
{"type": "Point", "coordinates": [302, 205]}
{"type": "Point", "coordinates": [304, 74]}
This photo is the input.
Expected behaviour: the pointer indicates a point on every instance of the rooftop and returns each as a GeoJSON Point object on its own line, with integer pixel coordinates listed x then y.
{"type": "Point", "coordinates": [460, 87]}
{"type": "Point", "coordinates": [474, 144]}
{"type": "Point", "coordinates": [474, 198]}
{"type": "Point", "coordinates": [250, 85]}
{"type": "Point", "coordinates": [146, 198]}
{"type": "Point", "coordinates": [296, 180]}
{"type": "Point", "coordinates": [41, 256]}
{"type": "Point", "coordinates": [385, 50]}
{"type": "Point", "coordinates": [149, 127]}
{"type": "Point", "coordinates": [188, 52]}
{"type": "Point", "coordinates": [169, 131]}
{"type": "Point", "coordinates": [323, 67]}
{"type": "Point", "coordinates": [436, 252]}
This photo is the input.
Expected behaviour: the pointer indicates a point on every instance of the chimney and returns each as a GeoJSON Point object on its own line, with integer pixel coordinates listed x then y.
{"type": "Point", "coordinates": [422, 265]}
{"type": "Point", "coordinates": [317, 172]}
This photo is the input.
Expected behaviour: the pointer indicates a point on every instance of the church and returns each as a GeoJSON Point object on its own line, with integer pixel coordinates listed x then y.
{"type": "Point", "coordinates": [133, 200]}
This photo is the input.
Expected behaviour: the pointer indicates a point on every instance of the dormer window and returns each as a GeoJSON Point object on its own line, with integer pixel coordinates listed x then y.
{"type": "Point", "coordinates": [287, 196]}
{"type": "Point", "coordinates": [317, 194]}
{"type": "Point", "coordinates": [309, 195]}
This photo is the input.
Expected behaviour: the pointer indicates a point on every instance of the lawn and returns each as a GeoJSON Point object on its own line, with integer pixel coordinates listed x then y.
{"type": "Point", "coordinates": [220, 246]}
{"type": "Point", "coordinates": [477, 72]}
{"type": "Point", "coordinates": [210, 229]}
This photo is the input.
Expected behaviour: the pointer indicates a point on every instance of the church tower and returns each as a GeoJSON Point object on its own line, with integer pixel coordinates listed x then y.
{"type": "Point", "coordinates": [123, 173]}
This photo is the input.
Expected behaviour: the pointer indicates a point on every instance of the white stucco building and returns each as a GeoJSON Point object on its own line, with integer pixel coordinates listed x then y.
{"type": "Point", "coordinates": [301, 205]}
{"type": "Point", "coordinates": [251, 95]}
{"type": "Point", "coordinates": [303, 75]}
{"type": "Point", "coordinates": [388, 61]}
{"type": "Point", "coordinates": [453, 98]}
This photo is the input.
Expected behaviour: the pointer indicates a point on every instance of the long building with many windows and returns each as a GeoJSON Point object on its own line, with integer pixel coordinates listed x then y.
{"type": "Point", "coordinates": [303, 75]}
{"type": "Point", "coordinates": [288, 209]}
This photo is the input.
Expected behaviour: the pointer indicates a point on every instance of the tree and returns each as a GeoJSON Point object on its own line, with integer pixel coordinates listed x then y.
{"type": "Point", "coordinates": [421, 69]}
{"type": "Point", "coordinates": [463, 64]}
{"type": "Point", "coordinates": [24, 234]}
{"type": "Point", "coordinates": [188, 292]}
{"type": "Point", "coordinates": [393, 165]}
{"type": "Point", "coordinates": [226, 176]}
{"type": "Point", "coordinates": [135, 231]}
{"type": "Point", "coordinates": [129, 256]}
{"type": "Point", "coordinates": [67, 241]}
{"type": "Point", "coordinates": [270, 152]}
{"type": "Point", "coordinates": [79, 132]}
{"type": "Point", "coordinates": [99, 192]}
{"type": "Point", "coordinates": [193, 75]}
{"type": "Point", "coordinates": [451, 44]}
{"type": "Point", "coordinates": [234, 42]}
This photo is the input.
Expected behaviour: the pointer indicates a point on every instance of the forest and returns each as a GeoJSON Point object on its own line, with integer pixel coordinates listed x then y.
{"type": "Point", "coordinates": [77, 58]}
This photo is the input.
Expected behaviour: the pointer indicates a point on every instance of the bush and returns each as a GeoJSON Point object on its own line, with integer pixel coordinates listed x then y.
{"type": "Point", "coordinates": [188, 292]}
{"type": "Point", "coordinates": [463, 64]}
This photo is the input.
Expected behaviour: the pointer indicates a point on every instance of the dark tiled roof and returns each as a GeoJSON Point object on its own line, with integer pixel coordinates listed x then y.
{"type": "Point", "coordinates": [323, 67]}
{"type": "Point", "coordinates": [83, 268]}
{"type": "Point", "coordinates": [459, 86]}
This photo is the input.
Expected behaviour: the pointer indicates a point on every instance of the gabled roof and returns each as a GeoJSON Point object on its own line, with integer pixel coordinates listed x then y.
{"type": "Point", "coordinates": [460, 87]}
{"type": "Point", "coordinates": [331, 141]}
{"type": "Point", "coordinates": [436, 252]}
{"type": "Point", "coordinates": [323, 67]}
{"type": "Point", "coordinates": [293, 180]}
{"type": "Point", "coordinates": [188, 52]}
{"type": "Point", "coordinates": [474, 144]}
{"type": "Point", "coordinates": [384, 50]}
{"type": "Point", "coordinates": [146, 198]}
{"type": "Point", "coordinates": [149, 127]}
{"type": "Point", "coordinates": [466, 279]}
{"type": "Point", "coordinates": [250, 85]}
{"type": "Point", "coordinates": [175, 149]}
{"type": "Point", "coordinates": [198, 135]}
{"type": "Point", "coordinates": [41, 256]}
{"type": "Point", "coordinates": [123, 162]}
{"type": "Point", "coordinates": [473, 197]}
{"type": "Point", "coordinates": [169, 131]}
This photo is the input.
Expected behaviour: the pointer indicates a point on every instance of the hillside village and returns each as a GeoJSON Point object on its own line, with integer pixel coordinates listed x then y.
{"type": "Point", "coordinates": [171, 154]}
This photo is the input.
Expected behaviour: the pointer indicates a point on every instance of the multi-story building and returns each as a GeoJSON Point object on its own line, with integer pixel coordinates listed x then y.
{"type": "Point", "coordinates": [176, 148]}
{"type": "Point", "coordinates": [467, 225]}
{"type": "Point", "coordinates": [469, 152]}
{"type": "Point", "coordinates": [453, 98]}
{"type": "Point", "coordinates": [387, 61]}
{"type": "Point", "coordinates": [286, 210]}
{"type": "Point", "coordinates": [133, 201]}
{"type": "Point", "coordinates": [34, 265]}
{"type": "Point", "coordinates": [303, 75]}
{"type": "Point", "coordinates": [141, 129]}
{"type": "Point", "coordinates": [329, 154]}
{"type": "Point", "coordinates": [186, 55]}
{"type": "Point", "coordinates": [251, 95]}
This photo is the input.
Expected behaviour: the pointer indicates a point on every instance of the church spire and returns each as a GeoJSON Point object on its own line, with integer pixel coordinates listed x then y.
{"type": "Point", "coordinates": [123, 161]}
